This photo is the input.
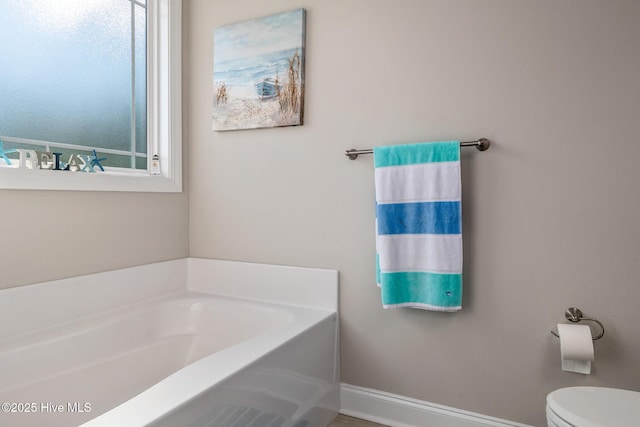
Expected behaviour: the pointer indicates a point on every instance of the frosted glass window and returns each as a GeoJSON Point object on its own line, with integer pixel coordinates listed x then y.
{"type": "Point", "coordinates": [73, 76]}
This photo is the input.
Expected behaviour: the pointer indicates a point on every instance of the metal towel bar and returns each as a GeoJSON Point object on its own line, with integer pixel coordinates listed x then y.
{"type": "Point", "coordinates": [481, 144]}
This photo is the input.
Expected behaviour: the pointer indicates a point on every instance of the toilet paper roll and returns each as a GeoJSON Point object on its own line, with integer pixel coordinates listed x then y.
{"type": "Point", "coordinates": [576, 348]}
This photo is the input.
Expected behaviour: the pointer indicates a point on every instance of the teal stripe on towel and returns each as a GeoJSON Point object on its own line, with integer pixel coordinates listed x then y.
{"type": "Point", "coordinates": [429, 152]}
{"type": "Point", "coordinates": [432, 289]}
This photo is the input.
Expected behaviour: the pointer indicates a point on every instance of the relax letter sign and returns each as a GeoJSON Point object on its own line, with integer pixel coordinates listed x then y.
{"type": "Point", "coordinates": [31, 159]}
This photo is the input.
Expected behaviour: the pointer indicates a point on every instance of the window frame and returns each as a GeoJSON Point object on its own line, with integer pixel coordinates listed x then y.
{"type": "Point", "coordinates": [164, 121]}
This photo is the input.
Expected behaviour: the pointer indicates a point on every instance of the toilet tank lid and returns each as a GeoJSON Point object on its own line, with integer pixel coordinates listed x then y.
{"type": "Point", "coordinates": [596, 406]}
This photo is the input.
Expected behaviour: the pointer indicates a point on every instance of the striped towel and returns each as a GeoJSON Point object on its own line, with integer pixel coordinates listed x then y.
{"type": "Point", "coordinates": [419, 225]}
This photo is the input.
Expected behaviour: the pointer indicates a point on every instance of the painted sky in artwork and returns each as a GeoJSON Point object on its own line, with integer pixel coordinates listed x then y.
{"type": "Point", "coordinates": [258, 37]}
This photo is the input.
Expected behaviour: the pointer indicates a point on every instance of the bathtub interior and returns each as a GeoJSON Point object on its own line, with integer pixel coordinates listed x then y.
{"type": "Point", "coordinates": [67, 360]}
{"type": "Point", "coordinates": [107, 358]}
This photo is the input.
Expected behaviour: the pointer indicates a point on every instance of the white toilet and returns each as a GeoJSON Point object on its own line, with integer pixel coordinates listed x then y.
{"type": "Point", "coordinates": [593, 407]}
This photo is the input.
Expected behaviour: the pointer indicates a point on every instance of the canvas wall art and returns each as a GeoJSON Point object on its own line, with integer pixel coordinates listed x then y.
{"type": "Point", "coordinates": [258, 72]}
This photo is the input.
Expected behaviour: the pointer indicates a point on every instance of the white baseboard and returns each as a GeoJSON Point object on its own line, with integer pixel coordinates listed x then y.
{"type": "Point", "coordinates": [400, 411]}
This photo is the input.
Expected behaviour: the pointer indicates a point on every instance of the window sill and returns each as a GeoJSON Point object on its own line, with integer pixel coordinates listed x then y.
{"type": "Point", "coordinates": [110, 180]}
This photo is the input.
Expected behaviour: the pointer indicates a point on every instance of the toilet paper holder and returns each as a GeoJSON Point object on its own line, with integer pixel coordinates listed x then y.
{"type": "Point", "coordinates": [574, 315]}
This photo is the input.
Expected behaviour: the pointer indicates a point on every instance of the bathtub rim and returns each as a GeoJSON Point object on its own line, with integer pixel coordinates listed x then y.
{"type": "Point", "coordinates": [49, 303]}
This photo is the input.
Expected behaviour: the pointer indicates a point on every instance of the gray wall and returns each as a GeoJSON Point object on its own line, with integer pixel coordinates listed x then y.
{"type": "Point", "coordinates": [49, 235]}
{"type": "Point", "coordinates": [550, 211]}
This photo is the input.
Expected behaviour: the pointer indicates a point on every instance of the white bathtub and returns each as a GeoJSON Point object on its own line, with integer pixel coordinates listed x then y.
{"type": "Point", "coordinates": [184, 343]}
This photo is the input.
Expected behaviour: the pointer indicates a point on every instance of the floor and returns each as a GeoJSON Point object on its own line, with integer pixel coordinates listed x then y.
{"type": "Point", "coordinates": [344, 421]}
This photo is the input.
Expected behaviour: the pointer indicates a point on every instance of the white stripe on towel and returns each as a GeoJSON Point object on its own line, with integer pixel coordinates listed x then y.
{"type": "Point", "coordinates": [436, 253]}
{"type": "Point", "coordinates": [424, 306]}
{"type": "Point", "coordinates": [418, 183]}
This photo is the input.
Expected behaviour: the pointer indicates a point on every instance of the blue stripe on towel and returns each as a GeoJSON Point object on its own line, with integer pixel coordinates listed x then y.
{"type": "Point", "coordinates": [441, 292]}
{"type": "Point", "coordinates": [411, 154]}
{"type": "Point", "coordinates": [419, 218]}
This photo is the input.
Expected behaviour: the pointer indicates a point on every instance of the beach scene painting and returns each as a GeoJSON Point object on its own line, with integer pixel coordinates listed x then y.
{"type": "Point", "coordinates": [258, 72]}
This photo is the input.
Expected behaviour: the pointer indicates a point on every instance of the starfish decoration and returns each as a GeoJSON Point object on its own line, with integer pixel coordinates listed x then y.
{"type": "Point", "coordinates": [3, 153]}
{"type": "Point", "coordinates": [95, 161]}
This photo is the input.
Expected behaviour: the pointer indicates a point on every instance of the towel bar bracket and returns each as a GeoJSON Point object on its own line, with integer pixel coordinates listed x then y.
{"type": "Point", "coordinates": [483, 144]}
